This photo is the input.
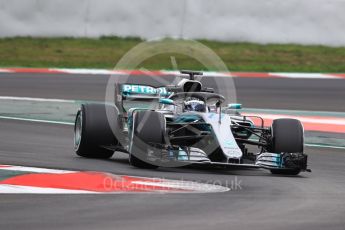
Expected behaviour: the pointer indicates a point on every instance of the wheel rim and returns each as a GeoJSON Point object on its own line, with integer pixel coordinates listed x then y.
{"type": "Point", "coordinates": [78, 130]}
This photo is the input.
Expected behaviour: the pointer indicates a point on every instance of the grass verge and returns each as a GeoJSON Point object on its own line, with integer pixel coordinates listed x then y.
{"type": "Point", "coordinates": [106, 51]}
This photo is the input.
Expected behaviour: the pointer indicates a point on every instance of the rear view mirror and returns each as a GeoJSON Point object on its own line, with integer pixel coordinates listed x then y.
{"type": "Point", "coordinates": [235, 106]}
{"type": "Point", "coordinates": [166, 101]}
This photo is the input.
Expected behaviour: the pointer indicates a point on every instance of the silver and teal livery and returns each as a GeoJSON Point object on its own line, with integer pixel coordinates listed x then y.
{"type": "Point", "coordinates": [171, 126]}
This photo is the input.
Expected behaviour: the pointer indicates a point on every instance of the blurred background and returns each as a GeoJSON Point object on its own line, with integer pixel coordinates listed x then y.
{"type": "Point", "coordinates": [319, 22]}
{"type": "Point", "coordinates": [263, 35]}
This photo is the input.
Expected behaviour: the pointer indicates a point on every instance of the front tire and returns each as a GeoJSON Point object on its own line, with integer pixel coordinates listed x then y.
{"type": "Point", "coordinates": [93, 131]}
{"type": "Point", "coordinates": [148, 128]}
{"type": "Point", "coordinates": [287, 137]}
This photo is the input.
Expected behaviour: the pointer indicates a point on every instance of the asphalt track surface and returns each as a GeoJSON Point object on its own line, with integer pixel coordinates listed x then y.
{"type": "Point", "coordinates": [266, 93]}
{"type": "Point", "coordinates": [260, 201]}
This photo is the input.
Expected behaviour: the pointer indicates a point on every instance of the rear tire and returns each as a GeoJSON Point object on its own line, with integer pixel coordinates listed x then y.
{"type": "Point", "coordinates": [287, 137]}
{"type": "Point", "coordinates": [92, 131]}
{"type": "Point", "coordinates": [148, 127]}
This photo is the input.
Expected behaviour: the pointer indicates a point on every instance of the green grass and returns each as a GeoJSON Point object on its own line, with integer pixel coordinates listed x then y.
{"type": "Point", "coordinates": [106, 51]}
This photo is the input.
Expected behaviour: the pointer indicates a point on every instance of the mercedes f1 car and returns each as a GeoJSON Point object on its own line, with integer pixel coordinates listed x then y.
{"type": "Point", "coordinates": [183, 124]}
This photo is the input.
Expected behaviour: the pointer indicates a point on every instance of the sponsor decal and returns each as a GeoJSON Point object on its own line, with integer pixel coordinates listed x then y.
{"type": "Point", "coordinates": [144, 89]}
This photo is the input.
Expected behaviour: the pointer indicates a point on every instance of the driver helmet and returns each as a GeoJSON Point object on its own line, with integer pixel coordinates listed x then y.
{"type": "Point", "coordinates": [194, 105]}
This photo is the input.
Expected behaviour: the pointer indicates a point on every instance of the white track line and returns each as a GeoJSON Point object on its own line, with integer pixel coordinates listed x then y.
{"type": "Point", "coordinates": [324, 146]}
{"type": "Point", "coordinates": [5, 71]}
{"type": "Point", "coordinates": [20, 189]}
{"type": "Point", "coordinates": [36, 120]}
{"type": "Point", "coordinates": [34, 99]}
{"type": "Point", "coordinates": [305, 75]}
{"type": "Point", "coordinates": [88, 71]}
{"type": "Point", "coordinates": [34, 169]}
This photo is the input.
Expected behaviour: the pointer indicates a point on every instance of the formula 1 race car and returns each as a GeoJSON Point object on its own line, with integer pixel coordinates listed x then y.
{"type": "Point", "coordinates": [183, 124]}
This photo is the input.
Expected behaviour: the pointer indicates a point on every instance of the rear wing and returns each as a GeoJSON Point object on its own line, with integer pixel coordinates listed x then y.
{"type": "Point", "coordinates": [137, 92]}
